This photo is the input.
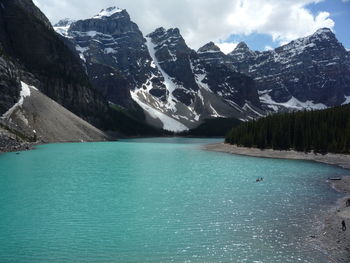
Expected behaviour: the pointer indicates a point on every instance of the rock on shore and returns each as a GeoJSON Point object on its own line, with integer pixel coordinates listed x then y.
{"type": "Point", "coordinates": [9, 143]}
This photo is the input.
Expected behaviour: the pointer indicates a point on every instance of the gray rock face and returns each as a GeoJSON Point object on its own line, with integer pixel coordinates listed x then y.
{"type": "Point", "coordinates": [173, 84]}
{"type": "Point", "coordinates": [242, 53]}
{"type": "Point", "coordinates": [42, 59]}
{"type": "Point", "coordinates": [114, 53]}
{"type": "Point", "coordinates": [173, 56]}
{"type": "Point", "coordinates": [9, 143]}
{"type": "Point", "coordinates": [30, 8]}
{"type": "Point", "coordinates": [311, 72]}
{"type": "Point", "coordinates": [9, 85]}
{"type": "Point", "coordinates": [211, 54]}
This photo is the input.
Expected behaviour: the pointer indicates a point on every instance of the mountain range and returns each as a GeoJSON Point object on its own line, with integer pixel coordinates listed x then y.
{"type": "Point", "coordinates": [179, 87]}
{"type": "Point", "coordinates": [103, 72]}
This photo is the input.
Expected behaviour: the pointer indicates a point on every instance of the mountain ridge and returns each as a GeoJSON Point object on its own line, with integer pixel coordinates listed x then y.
{"type": "Point", "coordinates": [283, 73]}
{"type": "Point", "coordinates": [163, 75]}
{"type": "Point", "coordinates": [175, 76]}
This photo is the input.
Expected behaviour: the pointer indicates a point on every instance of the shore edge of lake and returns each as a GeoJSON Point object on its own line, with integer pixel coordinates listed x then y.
{"type": "Point", "coordinates": [331, 237]}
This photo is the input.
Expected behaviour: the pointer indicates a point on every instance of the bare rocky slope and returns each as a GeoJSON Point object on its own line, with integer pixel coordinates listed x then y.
{"type": "Point", "coordinates": [37, 118]}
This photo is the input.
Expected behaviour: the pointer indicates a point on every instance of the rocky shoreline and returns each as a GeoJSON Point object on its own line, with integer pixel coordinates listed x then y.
{"type": "Point", "coordinates": [9, 144]}
{"type": "Point", "coordinates": [334, 237]}
{"type": "Point", "coordinates": [331, 237]}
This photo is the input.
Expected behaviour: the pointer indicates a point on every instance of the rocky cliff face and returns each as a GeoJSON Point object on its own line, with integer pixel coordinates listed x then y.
{"type": "Point", "coordinates": [176, 86]}
{"type": "Point", "coordinates": [311, 72]}
{"type": "Point", "coordinates": [9, 84]}
{"type": "Point", "coordinates": [42, 59]}
{"type": "Point", "coordinates": [114, 53]}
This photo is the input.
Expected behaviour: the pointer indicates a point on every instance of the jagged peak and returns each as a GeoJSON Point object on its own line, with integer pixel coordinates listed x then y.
{"type": "Point", "coordinates": [161, 31]}
{"type": "Point", "coordinates": [64, 22]}
{"type": "Point", "coordinates": [242, 46]}
{"type": "Point", "coordinates": [209, 47]}
{"type": "Point", "coordinates": [62, 26]}
{"type": "Point", "coordinates": [157, 31]}
{"type": "Point", "coordinates": [324, 30]}
{"type": "Point", "coordinates": [108, 12]}
{"type": "Point", "coordinates": [175, 31]}
{"type": "Point", "coordinates": [322, 35]}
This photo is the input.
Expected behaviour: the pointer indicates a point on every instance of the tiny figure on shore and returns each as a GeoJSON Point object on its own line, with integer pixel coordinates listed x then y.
{"type": "Point", "coordinates": [343, 225]}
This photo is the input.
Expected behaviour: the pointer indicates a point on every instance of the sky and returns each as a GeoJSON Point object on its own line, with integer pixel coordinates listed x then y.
{"type": "Point", "coordinates": [262, 24]}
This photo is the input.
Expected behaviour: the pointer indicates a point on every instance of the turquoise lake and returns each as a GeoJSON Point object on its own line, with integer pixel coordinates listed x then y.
{"type": "Point", "coordinates": [158, 200]}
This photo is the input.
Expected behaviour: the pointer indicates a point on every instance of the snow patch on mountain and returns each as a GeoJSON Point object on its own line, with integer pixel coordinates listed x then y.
{"type": "Point", "coordinates": [215, 114]}
{"type": "Point", "coordinates": [168, 82]}
{"type": "Point", "coordinates": [81, 52]}
{"type": "Point", "coordinates": [293, 104]}
{"type": "Point", "coordinates": [199, 78]}
{"type": "Point", "coordinates": [63, 26]}
{"type": "Point", "coordinates": [108, 12]}
{"type": "Point", "coordinates": [347, 100]}
{"type": "Point", "coordinates": [169, 124]}
{"type": "Point", "coordinates": [248, 107]}
{"type": "Point", "coordinates": [25, 92]}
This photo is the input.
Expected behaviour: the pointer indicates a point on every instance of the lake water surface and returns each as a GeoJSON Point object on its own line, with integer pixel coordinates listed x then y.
{"type": "Point", "coordinates": [157, 200]}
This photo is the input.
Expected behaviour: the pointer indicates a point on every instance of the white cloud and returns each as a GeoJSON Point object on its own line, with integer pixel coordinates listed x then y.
{"type": "Point", "coordinates": [226, 47]}
{"type": "Point", "coordinates": [268, 48]}
{"type": "Point", "coordinates": [201, 21]}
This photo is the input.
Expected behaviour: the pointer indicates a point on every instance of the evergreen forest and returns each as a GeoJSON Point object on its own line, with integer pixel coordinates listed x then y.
{"type": "Point", "coordinates": [320, 131]}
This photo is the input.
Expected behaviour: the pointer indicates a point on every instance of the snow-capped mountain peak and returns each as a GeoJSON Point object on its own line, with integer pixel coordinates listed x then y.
{"type": "Point", "coordinates": [64, 22]}
{"type": "Point", "coordinates": [323, 31]}
{"type": "Point", "coordinates": [63, 26]}
{"type": "Point", "coordinates": [211, 53]}
{"type": "Point", "coordinates": [178, 87]}
{"type": "Point", "coordinates": [313, 69]}
{"type": "Point", "coordinates": [108, 12]}
{"type": "Point", "coordinates": [324, 34]}
{"type": "Point", "coordinates": [159, 30]}
{"type": "Point", "coordinates": [242, 52]}
{"type": "Point", "coordinates": [210, 47]}
{"type": "Point", "coordinates": [241, 48]}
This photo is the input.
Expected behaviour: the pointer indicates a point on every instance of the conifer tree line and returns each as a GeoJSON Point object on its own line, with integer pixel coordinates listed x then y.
{"type": "Point", "coordinates": [320, 131]}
